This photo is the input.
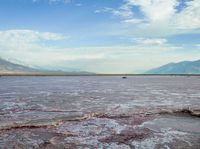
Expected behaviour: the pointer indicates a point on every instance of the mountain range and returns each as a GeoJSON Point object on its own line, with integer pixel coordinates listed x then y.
{"type": "Point", "coordinates": [184, 67]}
{"type": "Point", "coordinates": [7, 67]}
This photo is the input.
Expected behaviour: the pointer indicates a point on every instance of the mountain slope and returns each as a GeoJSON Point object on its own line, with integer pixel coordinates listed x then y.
{"type": "Point", "coordinates": [185, 67]}
{"type": "Point", "coordinates": [8, 67]}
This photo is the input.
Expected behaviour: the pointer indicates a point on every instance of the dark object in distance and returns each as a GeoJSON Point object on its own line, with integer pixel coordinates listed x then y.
{"type": "Point", "coordinates": [124, 77]}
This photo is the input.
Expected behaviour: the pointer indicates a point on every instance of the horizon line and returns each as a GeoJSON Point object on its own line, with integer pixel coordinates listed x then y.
{"type": "Point", "coordinates": [96, 74]}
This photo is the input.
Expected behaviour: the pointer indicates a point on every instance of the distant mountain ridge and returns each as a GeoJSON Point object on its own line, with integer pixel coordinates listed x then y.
{"type": "Point", "coordinates": [184, 67]}
{"type": "Point", "coordinates": [7, 67]}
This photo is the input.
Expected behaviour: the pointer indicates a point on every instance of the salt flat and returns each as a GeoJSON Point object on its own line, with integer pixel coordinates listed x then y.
{"type": "Point", "coordinates": [99, 112]}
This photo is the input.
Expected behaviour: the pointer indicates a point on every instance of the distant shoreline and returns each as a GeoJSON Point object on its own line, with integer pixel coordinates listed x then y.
{"type": "Point", "coordinates": [17, 74]}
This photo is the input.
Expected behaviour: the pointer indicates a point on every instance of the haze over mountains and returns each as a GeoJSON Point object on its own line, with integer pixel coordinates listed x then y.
{"type": "Point", "coordinates": [184, 67]}
{"type": "Point", "coordinates": [7, 67]}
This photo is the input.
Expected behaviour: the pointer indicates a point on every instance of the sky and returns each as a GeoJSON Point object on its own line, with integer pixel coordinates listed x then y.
{"type": "Point", "coordinates": [102, 36]}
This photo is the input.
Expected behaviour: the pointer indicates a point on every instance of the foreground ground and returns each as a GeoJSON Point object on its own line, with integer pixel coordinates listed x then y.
{"type": "Point", "coordinates": [100, 112]}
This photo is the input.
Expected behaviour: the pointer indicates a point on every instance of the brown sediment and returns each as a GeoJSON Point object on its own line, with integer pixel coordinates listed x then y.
{"type": "Point", "coordinates": [142, 115]}
{"type": "Point", "coordinates": [110, 116]}
{"type": "Point", "coordinates": [127, 135]}
{"type": "Point", "coordinates": [191, 112]}
{"type": "Point", "coordinates": [125, 118]}
{"type": "Point", "coordinates": [28, 126]}
{"type": "Point", "coordinates": [97, 115]}
{"type": "Point", "coordinates": [46, 123]}
{"type": "Point", "coordinates": [53, 110]}
{"type": "Point", "coordinates": [41, 110]}
{"type": "Point", "coordinates": [54, 141]}
{"type": "Point", "coordinates": [135, 120]}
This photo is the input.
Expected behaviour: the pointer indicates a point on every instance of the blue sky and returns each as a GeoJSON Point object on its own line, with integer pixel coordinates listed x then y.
{"type": "Point", "coordinates": [105, 36]}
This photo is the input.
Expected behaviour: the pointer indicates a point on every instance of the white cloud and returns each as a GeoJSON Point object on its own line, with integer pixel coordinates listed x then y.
{"type": "Point", "coordinates": [197, 45]}
{"type": "Point", "coordinates": [133, 21]}
{"type": "Point", "coordinates": [123, 12]}
{"type": "Point", "coordinates": [156, 10]}
{"type": "Point", "coordinates": [27, 46]}
{"type": "Point", "coordinates": [28, 36]}
{"type": "Point", "coordinates": [12, 41]}
{"type": "Point", "coordinates": [158, 17]}
{"type": "Point", "coordinates": [189, 18]}
{"type": "Point", "coordinates": [151, 41]}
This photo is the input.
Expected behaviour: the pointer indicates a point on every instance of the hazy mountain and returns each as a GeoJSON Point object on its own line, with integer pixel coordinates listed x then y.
{"type": "Point", "coordinates": [185, 67]}
{"type": "Point", "coordinates": [9, 67]}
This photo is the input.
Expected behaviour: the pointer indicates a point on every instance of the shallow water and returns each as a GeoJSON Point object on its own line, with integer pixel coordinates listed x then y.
{"type": "Point", "coordinates": [100, 112]}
